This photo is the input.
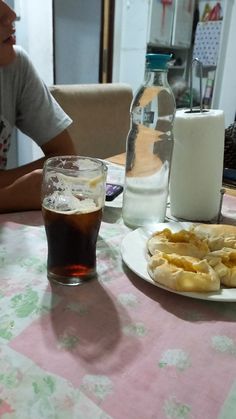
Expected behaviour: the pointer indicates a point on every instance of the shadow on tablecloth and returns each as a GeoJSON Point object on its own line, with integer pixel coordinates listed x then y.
{"type": "Point", "coordinates": [186, 308]}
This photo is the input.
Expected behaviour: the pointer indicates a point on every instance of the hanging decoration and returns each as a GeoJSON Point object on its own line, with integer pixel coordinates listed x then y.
{"type": "Point", "coordinates": [165, 3]}
{"type": "Point", "coordinates": [207, 37]}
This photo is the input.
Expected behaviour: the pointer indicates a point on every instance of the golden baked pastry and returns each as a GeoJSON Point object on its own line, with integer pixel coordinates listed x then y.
{"type": "Point", "coordinates": [183, 242]}
{"type": "Point", "coordinates": [183, 273]}
{"type": "Point", "coordinates": [223, 262]}
{"type": "Point", "coordinates": [199, 259]}
{"type": "Point", "coordinates": [216, 236]}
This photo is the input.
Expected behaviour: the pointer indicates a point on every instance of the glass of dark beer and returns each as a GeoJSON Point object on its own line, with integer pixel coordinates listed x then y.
{"type": "Point", "coordinates": [73, 196]}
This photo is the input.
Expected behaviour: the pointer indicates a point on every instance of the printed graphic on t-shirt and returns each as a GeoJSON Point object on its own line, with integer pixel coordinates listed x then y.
{"type": "Point", "coordinates": [5, 137]}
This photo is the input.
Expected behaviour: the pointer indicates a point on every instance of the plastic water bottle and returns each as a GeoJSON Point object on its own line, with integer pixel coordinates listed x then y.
{"type": "Point", "coordinates": [149, 146]}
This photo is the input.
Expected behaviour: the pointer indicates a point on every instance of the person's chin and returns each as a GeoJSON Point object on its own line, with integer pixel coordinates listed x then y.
{"type": "Point", "coordinates": [7, 55]}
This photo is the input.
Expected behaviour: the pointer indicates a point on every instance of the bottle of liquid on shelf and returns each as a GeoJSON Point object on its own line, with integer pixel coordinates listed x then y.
{"type": "Point", "coordinates": [149, 146]}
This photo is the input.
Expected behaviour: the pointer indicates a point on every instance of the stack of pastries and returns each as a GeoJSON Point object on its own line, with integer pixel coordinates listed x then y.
{"type": "Point", "coordinates": [201, 259]}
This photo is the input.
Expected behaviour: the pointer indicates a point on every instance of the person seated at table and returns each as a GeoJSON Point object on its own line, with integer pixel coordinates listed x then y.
{"type": "Point", "coordinates": [25, 103]}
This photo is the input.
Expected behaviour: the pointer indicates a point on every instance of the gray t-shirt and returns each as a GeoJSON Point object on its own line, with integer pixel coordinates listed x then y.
{"type": "Point", "coordinates": [26, 103]}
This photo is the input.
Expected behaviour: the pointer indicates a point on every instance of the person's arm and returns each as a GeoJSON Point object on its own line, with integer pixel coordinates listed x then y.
{"type": "Point", "coordinates": [60, 145]}
{"type": "Point", "coordinates": [20, 188]}
{"type": "Point", "coordinates": [23, 194]}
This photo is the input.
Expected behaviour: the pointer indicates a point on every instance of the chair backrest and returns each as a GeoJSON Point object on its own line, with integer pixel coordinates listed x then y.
{"type": "Point", "coordinates": [100, 114]}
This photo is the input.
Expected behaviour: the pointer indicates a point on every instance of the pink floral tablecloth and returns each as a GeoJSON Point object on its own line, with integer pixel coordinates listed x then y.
{"type": "Point", "coordinates": [116, 347]}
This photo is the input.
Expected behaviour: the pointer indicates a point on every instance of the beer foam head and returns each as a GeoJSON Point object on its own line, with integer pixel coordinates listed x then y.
{"type": "Point", "coordinates": [73, 194]}
{"type": "Point", "coordinates": [76, 184]}
{"type": "Point", "coordinates": [73, 184]}
{"type": "Point", "coordinates": [89, 182]}
{"type": "Point", "coordinates": [70, 204]}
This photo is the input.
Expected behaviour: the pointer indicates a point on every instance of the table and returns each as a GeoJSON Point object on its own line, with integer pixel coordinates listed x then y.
{"type": "Point", "coordinates": [116, 347]}
{"type": "Point", "coordinates": [120, 160]}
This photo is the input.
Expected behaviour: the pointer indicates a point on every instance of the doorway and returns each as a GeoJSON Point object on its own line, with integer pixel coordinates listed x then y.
{"type": "Point", "coordinates": [106, 41]}
{"type": "Point", "coordinates": [83, 41]}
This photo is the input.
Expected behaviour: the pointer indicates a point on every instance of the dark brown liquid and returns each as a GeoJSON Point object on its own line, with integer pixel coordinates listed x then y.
{"type": "Point", "coordinates": [71, 242]}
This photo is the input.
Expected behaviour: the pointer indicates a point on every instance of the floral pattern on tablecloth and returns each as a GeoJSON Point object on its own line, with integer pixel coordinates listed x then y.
{"type": "Point", "coordinates": [175, 357]}
{"type": "Point", "coordinates": [116, 347]}
{"type": "Point", "coordinates": [34, 393]}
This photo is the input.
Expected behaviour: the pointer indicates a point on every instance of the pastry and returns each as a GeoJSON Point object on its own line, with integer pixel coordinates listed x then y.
{"type": "Point", "coordinates": [223, 262]}
{"type": "Point", "coordinates": [183, 273]}
{"type": "Point", "coordinates": [184, 242]}
{"type": "Point", "coordinates": [198, 259]}
{"type": "Point", "coordinates": [216, 236]}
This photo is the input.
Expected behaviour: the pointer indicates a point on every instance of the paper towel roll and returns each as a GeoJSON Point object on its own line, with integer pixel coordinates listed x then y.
{"type": "Point", "coordinates": [197, 164]}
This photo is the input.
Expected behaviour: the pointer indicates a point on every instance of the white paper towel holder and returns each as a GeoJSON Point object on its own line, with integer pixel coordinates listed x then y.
{"type": "Point", "coordinates": [201, 109]}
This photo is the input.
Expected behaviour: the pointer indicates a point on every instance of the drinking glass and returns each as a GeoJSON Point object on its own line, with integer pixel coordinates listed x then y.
{"type": "Point", "coordinates": [73, 196]}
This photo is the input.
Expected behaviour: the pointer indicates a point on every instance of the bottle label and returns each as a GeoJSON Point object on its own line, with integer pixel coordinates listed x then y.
{"type": "Point", "coordinates": [148, 117]}
{"type": "Point", "coordinates": [142, 116]}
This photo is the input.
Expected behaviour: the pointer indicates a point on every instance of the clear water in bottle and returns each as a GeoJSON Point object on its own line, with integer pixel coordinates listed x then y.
{"type": "Point", "coordinates": [149, 147]}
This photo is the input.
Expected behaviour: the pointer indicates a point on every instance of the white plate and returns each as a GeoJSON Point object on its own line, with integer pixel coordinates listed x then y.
{"type": "Point", "coordinates": [134, 254]}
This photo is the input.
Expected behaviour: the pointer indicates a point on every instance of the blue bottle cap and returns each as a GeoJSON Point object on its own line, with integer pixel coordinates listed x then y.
{"type": "Point", "coordinates": [158, 61]}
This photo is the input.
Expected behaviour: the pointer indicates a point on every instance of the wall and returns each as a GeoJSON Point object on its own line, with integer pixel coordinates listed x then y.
{"type": "Point", "coordinates": [34, 34]}
{"type": "Point", "coordinates": [77, 41]}
{"type": "Point", "coordinates": [130, 41]}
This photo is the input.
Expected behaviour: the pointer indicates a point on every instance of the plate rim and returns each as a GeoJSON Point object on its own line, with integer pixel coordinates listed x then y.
{"type": "Point", "coordinates": [219, 296]}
